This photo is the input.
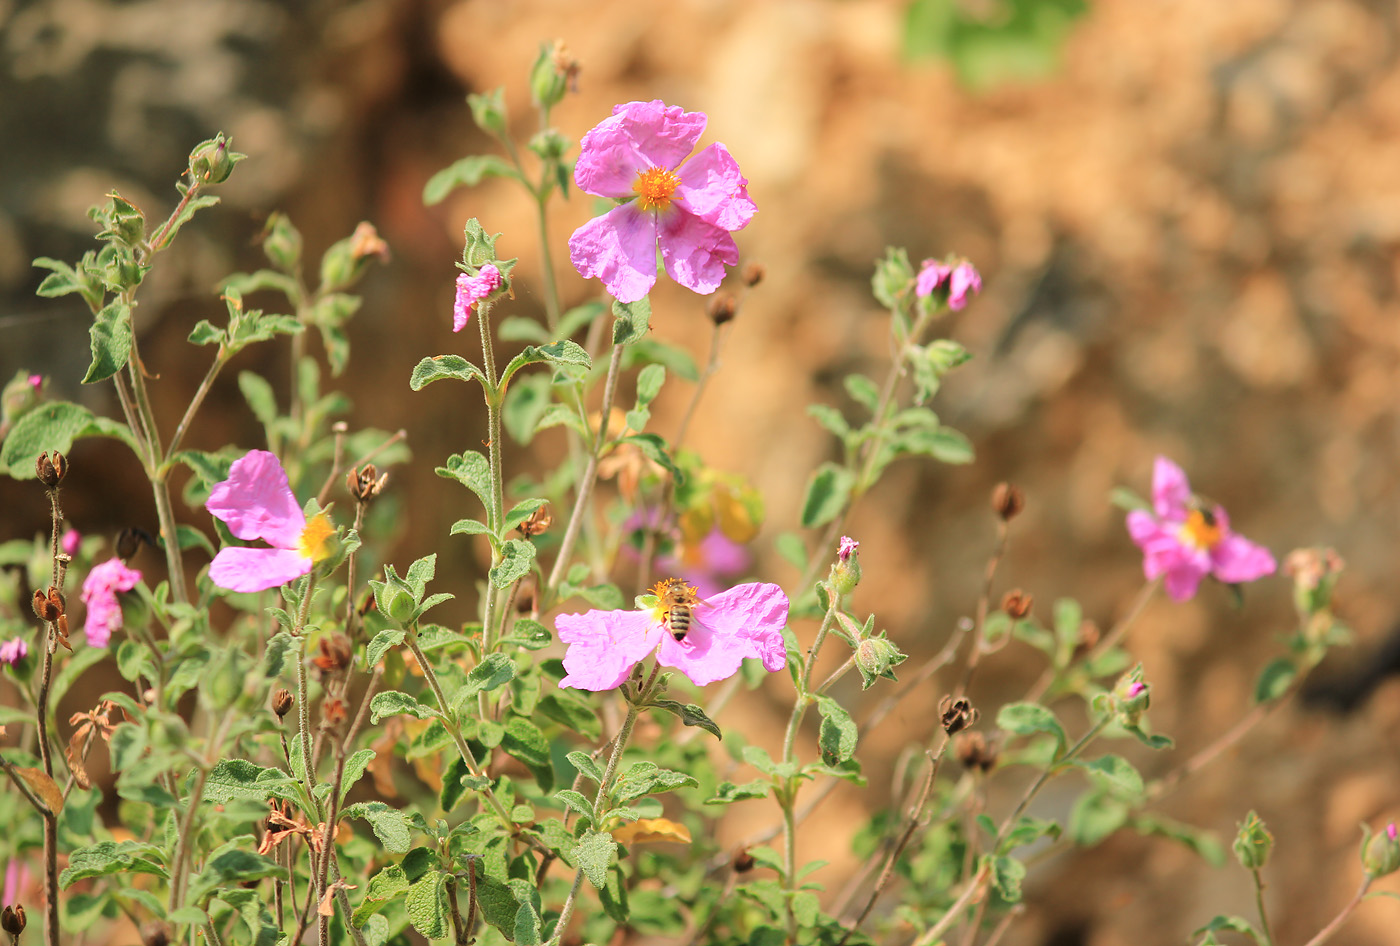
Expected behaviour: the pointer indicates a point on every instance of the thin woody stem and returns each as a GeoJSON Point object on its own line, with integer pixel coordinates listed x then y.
{"type": "Point", "coordinates": [1326, 932]}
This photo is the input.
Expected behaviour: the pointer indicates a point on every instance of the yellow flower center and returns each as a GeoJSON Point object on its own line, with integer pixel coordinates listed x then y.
{"type": "Point", "coordinates": [1200, 530]}
{"type": "Point", "coordinates": [654, 188]}
{"type": "Point", "coordinates": [315, 538]}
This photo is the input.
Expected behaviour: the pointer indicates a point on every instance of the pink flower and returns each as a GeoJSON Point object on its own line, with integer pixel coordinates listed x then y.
{"type": "Point", "coordinates": [1186, 541]}
{"type": "Point", "coordinates": [104, 611]}
{"type": "Point", "coordinates": [960, 280]}
{"type": "Point", "coordinates": [17, 881]}
{"type": "Point", "coordinates": [708, 562]}
{"type": "Point", "coordinates": [690, 209]}
{"type": "Point", "coordinates": [71, 540]}
{"type": "Point", "coordinates": [745, 621]}
{"type": "Point", "coordinates": [13, 651]}
{"type": "Point", "coordinates": [256, 502]}
{"type": "Point", "coordinates": [1391, 833]}
{"type": "Point", "coordinates": [471, 290]}
{"type": "Point", "coordinates": [846, 548]}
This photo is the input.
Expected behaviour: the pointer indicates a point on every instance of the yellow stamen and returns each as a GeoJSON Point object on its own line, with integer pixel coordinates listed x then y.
{"type": "Point", "coordinates": [654, 188]}
{"type": "Point", "coordinates": [315, 538]}
{"type": "Point", "coordinates": [1201, 531]}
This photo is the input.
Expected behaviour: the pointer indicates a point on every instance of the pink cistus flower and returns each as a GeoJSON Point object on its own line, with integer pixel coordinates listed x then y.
{"type": "Point", "coordinates": [256, 502]}
{"type": "Point", "coordinates": [470, 291]}
{"type": "Point", "coordinates": [960, 279]}
{"type": "Point", "coordinates": [13, 651]}
{"type": "Point", "coordinates": [688, 208]}
{"type": "Point", "coordinates": [104, 609]}
{"type": "Point", "coordinates": [745, 621]}
{"type": "Point", "coordinates": [846, 548]}
{"type": "Point", "coordinates": [71, 541]}
{"type": "Point", "coordinates": [1185, 541]}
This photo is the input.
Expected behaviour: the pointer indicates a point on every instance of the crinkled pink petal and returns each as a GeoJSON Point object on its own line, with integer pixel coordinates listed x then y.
{"type": "Point", "coordinates": [963, 280]}
{"type": "Point", "coordinates": [1183, 579]}
{"type": "Point", "coordinates": [931, 276]}
{"type": "Point", "coordinates": [734, 624]}
{"type": "Point", "coordinates": [1235, 559]}
{"type": "Point", "coordinates": [695, 252]}
{"type": "Point", "coordinates": [620, 249]}
{"type": "Point", "coordinates": [470, 291]}
{"type": "Point", "coordinates": [604, 646]}
{"type": "Point", "coordinates": [722, 555]}
{"type": "Point", "coordinates": [638, 135]}
{"type": "Point", "coordinates": [104, 611]}
{"type": "Point", "coordinates": [12, 652]}
{"type": "Point", "coordinates": [1171, 493]}
{"type": "Point", "coordinates": [256, 501]}
{"type": "Point", "coordinates": [712, 189]}
{"type": "Point", "coordinates": [247, 569]}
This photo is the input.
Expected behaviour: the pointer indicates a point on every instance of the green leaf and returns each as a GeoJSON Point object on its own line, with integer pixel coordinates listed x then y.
{"type": "Point", "coordinates": [828, 492]}
{"type": "Point", "coordinates": [394, 703]}
{"type": "Point", "coordinates": [728, 792]}
{"type": "Point", "coordinates": [354, 768]}
{"type": "Point", "coordinates": [594, 853]}
{"type": "Point", "coordinates": [1027, 831]}
{"type": "Point", "coordinates": [1113, 773]}
{"type": "Point", "coordinates": [1095, 816]}
{"type": "Point", "coordinates": [531, 635]}
{"type": "Point", "coordinates": [1202, 842]}
{"type": "Point", "coordinates": [494, 671]}
{"type": "Point", "coordinates": [649, 382]}
{"type": "Point", "coordinates": [440, 367]}
{"type": "Point", "coordinates": [1027, 719]}
{"type": "Point", "coordinates": [258, 393]}
{"type": "Point", "coordinates": [1234, 924]}
{"type": "Point", "coordinates": [204, 333]}
{"type": "Point", "coordinates": [53, 426]}
{"type": "Point", "coordinates": [383, 642]}
{"type": "Point", "coordinates": [517, 558]}
{"type": "Point", "coordinates": [239, 778]}
{"type": "Point", "coordinates": [631, 321]}
{"type": "Point", "coordinates": [526, 743]}
{"type": "Point", "coordinates": [112, 857]}
{"type": "Point", "coordinates": [520, 512]}
{"type": "Point", "coordinates": [837, 737]}
{"type": "Point", "coordinates": [576, 802]}
{"type": "Point", "coordinates": [831, 419]}
{"type": "Point", "coordinates": [61, 280]}
{"type": "Point", "coordinates": [469, 527]}
{"type": "Point", "coordinates": [863, 391]}
{"type": "Point", "coordinates": [110, 338]}
{"type": "Point", "coordinates": [691, 714]}
{"type": "Point", "coordinates": [1275, 680]}
{"type": "Point", "coordinates": [465, 172]}
{"type": "Point", "coordinates": [559, 353]}
{"type": "Point", "coordinates": [527, 402]}
{"type": "Point", "coordinates": [390, 825]}
{"type": "Point", "coordinates": [472, 470]}
{"type": "Point", "coordinates": [645, 778]}
{"type": "Point", "coordinates": [585, 764]}
{"type": "Point", "coordinates": [1007, 873]}
{"type": "Point", "coordinates": [228, 868]}
{"type": "Point", "coordinates": [571, 712]}
{"type": "Point", "coordinates": [427, 905]}
{"type": "Point", "coordinates": [791, 547]}
{"type": "Point", "coordinates": [654, 449]}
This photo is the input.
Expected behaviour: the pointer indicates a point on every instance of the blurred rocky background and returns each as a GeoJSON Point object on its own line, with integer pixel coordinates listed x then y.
{"type": "Point", "coordinates": [1186, 213]}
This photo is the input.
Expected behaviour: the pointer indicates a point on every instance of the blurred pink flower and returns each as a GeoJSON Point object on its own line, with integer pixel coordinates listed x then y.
{"type": "Point", "coordinates": [960, 279]}
{"type": "Point", "coordinates": [708, 563]}
{"type": "Point", "coordinates": [745, 621]}
{"type": "Point", "coordinates": [104, 611]}
{"type": "Point", "coordinates": [71, 540]}
{"type": "Point", "coordinates": [17, 879]}
{"type": "Point", "coordinates": [470, 291]}
{"type": "Point", "coordinates": [1185, 541]}
{"type": "Point", "coordinates": [689, 208]}
{"type": "Point", "coordinates": [13, 651]}
{"type": "Point", "coordinates": [256, 502]}
{"type": "Point", "coordinates": [36, 381]}
{"type": "Point", "coordinates": [846, 548]}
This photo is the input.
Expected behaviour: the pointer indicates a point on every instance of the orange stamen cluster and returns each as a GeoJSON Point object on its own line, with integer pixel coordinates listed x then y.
{"type": "Point", "coordinates": [315, 537]}
{"type": "Point", "coordinates": [1201, 531]}
{"type": "Point", "coordinates": [654, 188]}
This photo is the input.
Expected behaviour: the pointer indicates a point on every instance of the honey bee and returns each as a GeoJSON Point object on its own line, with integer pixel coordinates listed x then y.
{"type": "Point", "coordinates": [678, 601]}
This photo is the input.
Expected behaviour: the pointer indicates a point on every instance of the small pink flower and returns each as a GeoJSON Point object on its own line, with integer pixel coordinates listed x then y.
{"type": "Point", "coordinates": [71, 540]}
{"type": "Point", "coordinates": [689, 208]}
{"type": "Point", "coordinates": [13, 651]}
{"type": "Point", "coordinates": [36, 381]}
{"type": "Point", "coordinates": [847, 547]}
{"type": "Point", "coordinates": [104, 611]}
{"type": "Point", "coordinates": [960, 280]}
{"type": "Point", "coordinates": [1186, 541]}
{"type": "Point", "coordinates": [745, 621]}
{"type": "Point", "coordinates": [707, 563]}
{"type": "Point", "coordinates": [470, 291]}
{"type": "Point", "coordinates": [256, 502]}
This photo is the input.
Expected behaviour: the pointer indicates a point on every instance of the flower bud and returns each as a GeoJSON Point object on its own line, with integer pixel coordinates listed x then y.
{"type": "Point", "coordinates": [281, 242]}
{"type": "Point", "coordinates": [1008, 501]}
{"type": "Point", "coordinates": [976, 751]}
{"type": "Point", "coordinates": [845, 574]}
{"type": "Point", "coordinates": [402, 607]}
{"type": "Point", "coordinates": [1131, 697]}
{"type": "Point", "coordinates": [1380, 855]}
{"type": "Point", "coordinates": [282, 702]}
{"type": "Point", "coordinates": [489, 112]}
{"type": "Point", "coordinates": [722, 308]}
{"type": "Point", "coordinates": [555, 73]}
{"type": "Point", "coordinates": [346, 260]}
{"type": "Point", "coordinates": [211, 162]}
{"type": "Point", "coordinates": [1253, 842]}
{"type": "Point", "coordinates": [753, 274]}
{"type": "Point", "coordinates": [1017, 604]}
{"type": "Point", "coordinates": [122, 221]}
{"type": "Point", "coordinates": [549, 145]}
{"type": "Point", "coordinates": [51, 471]}
{"type": "Point", "coordinates": [874, 657]}
{"type": "Point", "coordinates": [956, 714]}
{"type": "Point", "coordinates": [12, 920]}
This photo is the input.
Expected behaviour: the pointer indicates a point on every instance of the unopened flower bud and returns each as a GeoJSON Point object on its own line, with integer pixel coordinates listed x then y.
{"type": "Point", "coordinates": [1380, 855]}
{"type": "Point", "coordinates": [1253, 842]}
{"type": "Point", "coordinates": [282, 702]}
{"type": "Point", "coordinates": [956, 714]}
{"type": "Point", "coordinates": [743, 861]}
{"type": "Point", "coordinates": [51, 471]}
{"type": "Point", "coordinates": [976, 751]}
{"type": "Point", "coordinates": [12, 919]}
{"type": "Point", "coordinates": [549, 145]}
{"type": "Point", "coordinates": [211, 162]}
{"type": "Point", "coordinates": [753, 274]}
{"type": "Point", "coordinates": [722, 308]}
{"type": "Point", "coordinates": [555, 72]}
{"type": "Point", "coordinates": [1008, 501]}
{"type": "Point", "coordinates": [281, 241]}
{"type": "Point", "coordinates": [875, 657]}
{"type": "Point", "coordinates": [366, 483]}
{"type": "Point", "coordinates": [537, 523]}
{"type": "Point", "coordinates": [1017, 604]}
{"type": "Point", "coordinates": [1131, 697]}
{"type": "Point", "coordinates": [845, 574]}
{"type": "Point", "coordinates": [366, 242]}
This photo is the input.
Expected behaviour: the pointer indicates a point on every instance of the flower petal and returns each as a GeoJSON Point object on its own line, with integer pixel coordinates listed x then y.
{"type": "Point", "coordinates": [745, 621]}
{"type": "Point", "coordinates": [637, 136]}
{"type": "Point", "coordinates": [245, 569]}
{"type": "Point", "coordinates": [1183, 580]}
{"type": "Point", "coordinates": [712, 189]}
{"type": "Point", "coordinates": [604, 646]}
{"type": "Point", "coordinates": [695, 252]}
{"type": "Point", "coordinates": [256, 501]}
{"type": "Point", "coordinates": [1171, 493]}
{"type": "Point", "coordinates": [964, 279]}
{"type": "Point", "coordinates": [1236, 559]}
{"type": "Point", "coordinates": [620, 249]}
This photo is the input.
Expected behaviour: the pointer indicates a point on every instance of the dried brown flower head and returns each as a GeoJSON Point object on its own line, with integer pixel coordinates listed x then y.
{"type": "Point", "coordinates": [1008, 501]}
{"type": "Point", "coordinates": [956, 714]}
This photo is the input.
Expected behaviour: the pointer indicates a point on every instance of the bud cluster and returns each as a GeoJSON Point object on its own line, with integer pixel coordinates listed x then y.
{"type": "Point", "coordinates": [1380, 855]}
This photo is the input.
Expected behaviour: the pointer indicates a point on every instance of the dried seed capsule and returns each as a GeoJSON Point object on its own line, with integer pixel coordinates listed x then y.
{"type": "Point", "coordinates": [12, 919]}
{"type": "Point", "coordinates": [51, 471]}
{"type": "Point", "coordinates": [1008, 501]}
{"type": "Point", "coordinates": [956, 715]}
{"type": "Point", "coordinates": [1017, 604]}
{"type": "Point", "coordinates": [282, 702]}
